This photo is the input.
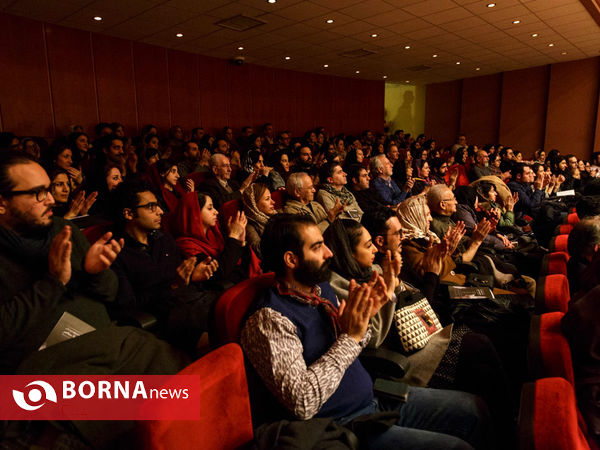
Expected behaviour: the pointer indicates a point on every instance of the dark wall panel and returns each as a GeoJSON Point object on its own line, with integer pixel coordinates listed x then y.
{"type": "Point", "coordinates": [239, 95]}
{"type": "Point", "coordinates": [442, 111]}
{"type": "Point", "coordinates": [572, 106]}
{"type": "Point", "coordinates": [261, 80]}
{"type": "Point", "coordinates": [305, 101]}
{"type": "Point", "coordinates": [113, 63]}
{"type": "Point", "coordinates": [72, 78]}
{"type": "Point", "coordinates": [152, 85]}
{"type": "Point", "coordinates": [214, 111]}
{"type": "Point", "coordinates": [523, 110]}
{"type": "Point", "coordinates": [25, 102]}
{"type": "Point", "coordinates": [284, 100]}
{"type": "Point", "coordinates": [184, 89]}
{"type": "Point", "coordinates": [480, 108]}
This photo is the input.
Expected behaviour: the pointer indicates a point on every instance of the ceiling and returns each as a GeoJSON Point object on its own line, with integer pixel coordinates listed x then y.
{"type": "Point", "coordinates": [483, 40]}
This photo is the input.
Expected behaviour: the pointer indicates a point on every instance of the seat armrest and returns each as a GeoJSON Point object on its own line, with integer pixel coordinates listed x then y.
{"type": "Point", "coordinates": [383, 363]}
{"type": "Point", "coordinates": [141, 319]}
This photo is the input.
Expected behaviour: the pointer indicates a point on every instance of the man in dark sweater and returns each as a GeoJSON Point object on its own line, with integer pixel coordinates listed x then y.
{"type": "Point", "coordinates": [303, 344]}
{"type": "Point", "coordinates": [153, 276]}
{"type": "Point", "coordinates": [530, 192]}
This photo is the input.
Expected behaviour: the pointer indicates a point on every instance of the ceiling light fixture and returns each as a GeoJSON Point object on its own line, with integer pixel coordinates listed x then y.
{"type": "Point", "coordinates": [240, 48]}
{"type": "Point", "coordinates": [434, 56]}
{"type": "Point", "coordinates": [516, 21]}
{"type": "Point", "coordinates": [326, 65]}
{"type": "Point", "coordinates": [491, 5]}
{"type": "Point", "coordinates": [374, 35]}
{"type": "Point", "coordinates": [287, 58]}
{"type": "Point", "coordinates": [97, 18]}
{"type": "Point", "coordinates": [563, 53]}
{"type": "Point", "coordinates": [534, 35]}
{"type": "Point", "coordinates": [329, 21]}
{"type": "Point", "coordinates": [407, 81]}
{"type": "Point", "coordinates": [477, 68]}
{"type": "Point", "coordinates": [550, 45]}
{"type": "Point", "coordinates": [457, 63]}
{"type": "Point", "coordinates": [179, 35]}
{"type": "Point", "coordinates": [406, 47]}
{"type": "Point", "coordinates": [358, 71]}
{"type": "Point", "coordinates": [384, 77]}
{"type": "Point", "coordinates": [271, 1]}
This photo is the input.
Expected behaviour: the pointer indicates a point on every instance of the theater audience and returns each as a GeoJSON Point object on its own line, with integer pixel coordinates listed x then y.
{"type": "Point", "coordinates": [334, 192]}
{"type": "Point", "coordinates": [382, 183]}
{"type": "Point", "coordinates": [220, 186]}
{"type": "Point", "coordinates": [67, 206]}
{"type": "Point", "coordinates": [192, 161]}
{"type": "Point", "coordinates": [529, 189]}
{"type": "Point", "coordinates": [258, 206]}
{"type": "Point", "coordinates": [481, 166]}
{"type": "Point", "coordinates": [281, 170]}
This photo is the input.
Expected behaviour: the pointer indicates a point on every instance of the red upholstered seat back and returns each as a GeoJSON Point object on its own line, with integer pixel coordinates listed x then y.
{"type": "Point", "coordinates": [555, 263]}
{"type": "Point", "coordinates": [559, 243]}
{"type": "Point", "coordinates": [565, 229]}
{"type": "Point", "coordinates": [552, 293]}
{"type": "Point", "coordinates": [554, 348]}
{"type": "Point", "coordinates": [233, 304]}
{"type": "Point", "coordinates": [197, 177]}
{"type": "Point", "coordinates": [229, 209]}
{"type": "Point", "coordinates": [226, 421]}
{"type": "Point", "coordinates": [95, 232]}
{"type": "Point", "coordinates": [279, 198]}
{"type": "Point", "coordinates": [572, 218]}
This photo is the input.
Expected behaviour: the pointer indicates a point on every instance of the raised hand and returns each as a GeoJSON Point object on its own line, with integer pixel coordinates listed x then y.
{"type": "Point", "coordinates": [102, 254]}
{"type": "Point", "coordinates": [408, 185]}
{"type": "Point", "coordinates": [189, 185]}
{"type": "Point", "coordinates": [75, 174]}
{"type": "Point", "coordinates": [391, 265]}
{"type": "Point", "coordinates": [433, 259]}
{"type": "Point", "coordinates": [184, 272]}
{"type": "Point", "coordinates": [337, 209]}
{"type": "Point", "coordinates": [354, 313]}
{"type": "Point", "coordinates": [205, 269]}
{"type": "Point", "coordinates": [87, 204]}
{"type": "Point", "coordinates": [237, 226]}
{"type": "Point", "coordinates": [453, 236]}
{"type": "Point", "coordinates": [481, 230]}
{"type": "Point", "coordinates": [59, 257]}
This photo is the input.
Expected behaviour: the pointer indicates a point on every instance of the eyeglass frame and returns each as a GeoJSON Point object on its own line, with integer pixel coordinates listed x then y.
{"type": "Point", "coordinates": [152, 206]}
{"type": "Point", "coordinates": [45, 190]}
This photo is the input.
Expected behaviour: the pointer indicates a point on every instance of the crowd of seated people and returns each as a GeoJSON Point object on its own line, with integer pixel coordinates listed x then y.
{"type": "Point", "coordinates": [354, 227]}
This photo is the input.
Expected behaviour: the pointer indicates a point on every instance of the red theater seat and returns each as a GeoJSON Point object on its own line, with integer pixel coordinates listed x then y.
{"type": "Point", "coordinates": [563, 229]}
{"type": "Point", "coordinates": [229, 209]}
{"type": "Point", "coordinates": [572, 219]}
{"type": "Point", "coordinates": [549, 419]}
{"type": "Point", "coordinates": [225, 422]}
{"type": "Point", "coordinates": [197, 177]}
{"type": "Point", "coordinates": [552, 294]}
{"type": "Point", "coordinates": [559, 243]}
{"type": "Point", "coordinates": [233, 304]}
{"type": "Point", "coordinates": [95, 232]}
{"type": "Point", "coordinates": [279, 198]}
{"type": "Point", "coordinates": [555, 263]}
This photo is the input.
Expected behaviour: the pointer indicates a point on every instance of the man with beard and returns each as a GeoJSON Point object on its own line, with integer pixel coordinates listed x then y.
{"type": "Point", "coordinates": [304, 344]}
{"type": "Point", "coordinates": [191, 162]}
{"type": "Point", "coordinates": [48, 269]}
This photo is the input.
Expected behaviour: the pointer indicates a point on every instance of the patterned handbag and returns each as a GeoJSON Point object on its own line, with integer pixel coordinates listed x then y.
{"type": "Point", "coordinates": [416, 323]}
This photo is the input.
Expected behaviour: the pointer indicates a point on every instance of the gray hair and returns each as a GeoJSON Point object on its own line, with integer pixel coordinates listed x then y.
{"type": "Point", "coordinates": [376, 163]}
{"type": "Point", "coordinates": [584, 236]}
{"type": "Point", "coordinates": [435, 195]}
{"type": "Point", "coordinates": [214, 159]}
{"type": "Point", "coordinates": [295, 181]}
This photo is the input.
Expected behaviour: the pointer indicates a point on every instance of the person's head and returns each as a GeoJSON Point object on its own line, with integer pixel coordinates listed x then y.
{"type": "Point", "coordinates": [381, 166]}
{"type": "Point", "coordinates": [152, 156]}
{"type": "Point", "coordinates": [254, 162]}
{"type": "Point", "coordinates": [581, 165]}
{"type": "Point", "coordinates": [571, 162]}
{"type": "Point", "coordinates": [103, 129]}
{"type": "Point", "coordinates": [482, 159]}
{"type": "Point", "coordinates": [333, 174]}
{"type": "Point", "coordinates": [495, 160]}
{"type": "Point", "coordinates": [192, 152]}
{"type": "Point", "coordinates": [339, 144]}
{"type": "Point", "coordinates": [60, 185]}
{"type": "Point", "coordinates": [292, 246]}
{"type": "Point", "coordinates": [63, 157]}
{"type": "Point", "coordinates": [167, 170]}
{"type": "Point", "coordinates": [176, 132]}
{"type": "Point", "coordinates": [284, 161]}
{"type": "Point", "coordinates": [441, 200]}
{"type": "Point", "coordinates": [257, 198]}
{"type": "Point", "coordinates": [208, 212]}
{"type": "Point", "coordinates": [540, 155]}
{"type": "Point", "coordinates": [300, 187]}
{"type": "Point", "coordinates": [522, 173]}
{"type": "Point", "coordinates": [359, 177]}
{"type": "Point", "coordinates": [384, 227]}
{"type": "Point", "coordinates": [31, 147]}
{"type": "Point", "coordinates": [247, 131]}
{"type": "Point", "coordinates": [113, 148]}
{"type": "Point", "coordinates": [149, 129]}
{"type": "Point", "coordinates": [118, 129]}
{"type": "Point", "coordinates": [220, 166]}
{"type": "Point", "coordinates": [221, 146]}
{"type": "Point", "coordinates": [461, 140]}
{"type": "Point", "coordinates": [112, 176]}
{"type": "Point", "coordinates": [438, 166]}
{"type": "Point", "coordinates": [267, 129]}
{"type": "Point", "coordinates": [487, 191]}
{"type": "Point", "coordinates": [9, 141]}
{"type": "Point", "coordinates": [518, 155]}
{"type": "Point", "coordinates": [393, 153]}
{"type": "Point", "coordinates": [137, 208]}
{"type": "Point", "coordinates": [352, 247]}
{"type": "Point", "coordinates": [584, 238]}
{"type": "Point", "coordinates": [152, 141]}
{"type": "Point", "coordinates": [424, 168]}
{"type": "Point", "coordinates": [461, 155]}
{"type": "Point", "coordinates": [466, 195]}
{"type": "Point", "coordinates": [507, 154]}
{"type": "Point", "coordinates": [26, 200]}
{"type": "Point", "coordinates": [538, 169]}
{"type": "Point", "coordinates": [79, 142]}
{"type": "Point", "coordinates": [587, 206]}
{"type": "Point", "coordinates": [198, 134]}
{"type": "Point", "coordinates": [560, 164]}
{"type": "Point", "coordinates": [304, 155]}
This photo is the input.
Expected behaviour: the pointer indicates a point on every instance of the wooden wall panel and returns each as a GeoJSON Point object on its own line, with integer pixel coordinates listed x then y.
{"type": "Point", "coordinates": [184, 89]}
{"type": "Point", "coordinates": [152, 85]}
{"type": "Point", "coordinates": [523, 109]}
{"type": "Point", "coordinates": [261, 80]}
{"type": "Point", "coordinates": [323, 108]}
{"type": "Point", "coordinates": [25, 102]}
{"type": "Point", "coordinates": [480, 108]}
{"type": "Point", "coordinates": [72, 78]}
{"type": "Point", "coordinates": [442, 111]}
{"type": "Point", "coordinates": [573, 106]}
{"type": "Point", "coordinates": [284, 100]}
{"type": "Point", "coordinates": [113, 64]}
{"type": "Point", "coordinates": [305, 101]}
{"type": "Point", "coordinates": [239, 96]}
{"type": "Point", "coordinates": [214, 111]}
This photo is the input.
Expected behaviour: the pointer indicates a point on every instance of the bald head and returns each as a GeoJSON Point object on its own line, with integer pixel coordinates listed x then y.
{"type": "Point", "coordinates": [440, 199]}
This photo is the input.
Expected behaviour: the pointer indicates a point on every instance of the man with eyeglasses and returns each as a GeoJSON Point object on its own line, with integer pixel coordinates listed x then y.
{"type": "Point", "coordinates": [220, 187]}
{"type": "Point", "coordinates": [153, 276]}
{"type": "Point", "coordinates": [481, 166]}
{"type": "Point", "coordinates": [48, 269]}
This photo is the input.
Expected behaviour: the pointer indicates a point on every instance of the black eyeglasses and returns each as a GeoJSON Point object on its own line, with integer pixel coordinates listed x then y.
{"type": "Point", "coordinates": [152, 206]}
{"type": "Point", "coordinates": [41, 193]}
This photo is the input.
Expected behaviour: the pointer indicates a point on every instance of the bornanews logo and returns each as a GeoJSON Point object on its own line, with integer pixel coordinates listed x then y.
{"type": "Point", "coordinates": [64, 397]}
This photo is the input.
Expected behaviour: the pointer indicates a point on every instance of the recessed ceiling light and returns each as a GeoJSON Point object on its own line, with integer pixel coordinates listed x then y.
{"type": "Point", "coordinates": [358, 71]}
{"type": "Point", "coordinates": [491, 5]}
{"type": "Point", "coordinates": [374, 35]}
{"type": "Point", "coordinates": [550, 45]}
{"type": "Point", "coordinates": [563, 53]}
{"type": "Point", "coordinates": [97, 18]}
{"type": "Point", "coordinates": [407, 81]}
{"type": "Point", "coordinates": [179, 35]}
{"type": "Point", "coordinates": [457, 63]}
{"type": "Point", "coordinates": [385, 76]}
{"type": "Point", "coordinates": [287, 58]}
{"type": "Point", "coordinates": [477, 68]}
{"type": "Point", "coordinates": [516, 21]}
{"type": "Point", "coordinates": [329, 21]}
{"type": "Point", "coordinates": [406, 47]}
{"type": "Point", "coordinates": [240, 48]}
{"type": "Point", "coordinates": [434, 56]}
{"type": "Point", "coordinates": [326, 65]}
{"type": "Point", "coordinates": [271, 1]}
{"type": "Point", "coordinates": [534, 35]}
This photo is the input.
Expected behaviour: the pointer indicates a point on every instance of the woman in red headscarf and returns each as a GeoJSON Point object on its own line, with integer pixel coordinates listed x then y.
{"type": "Point", "coordinates": [196, 227]}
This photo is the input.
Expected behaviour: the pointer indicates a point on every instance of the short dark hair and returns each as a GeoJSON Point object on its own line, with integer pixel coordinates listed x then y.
{"type": "Point", "coordinates": [126, 196]}
{"type": "Point", "coordinates": [517, 169]}
{"type": "Point", "coordinates": [282, 234]}
{"type": "Point", "coordinates": [374, 220]}
{"type": "Point", "coordinates": [106, 141]}
{"type": "Point", "coordinates": [10, 159]}
{"type": "Point", "coordinates": [587, 206]}
{"type": "Point", "coordinates": [343, 237]}
{"type": "Point", "coordinates": [98, 128]}
{"type": "Point", "coordinates": [584, 235]}
{"type": "Point", "coordinates": [353, 171]}
{"type": "Point", "coordinates": [327, 171]}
